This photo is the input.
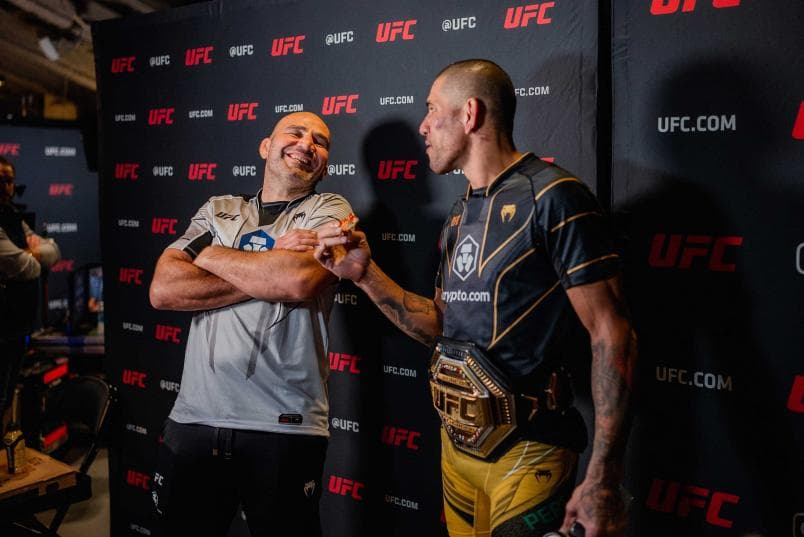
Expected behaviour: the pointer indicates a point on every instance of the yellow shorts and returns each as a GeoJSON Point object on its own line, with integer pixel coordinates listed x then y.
{"type": "Point", "coordinates": [523, 493]}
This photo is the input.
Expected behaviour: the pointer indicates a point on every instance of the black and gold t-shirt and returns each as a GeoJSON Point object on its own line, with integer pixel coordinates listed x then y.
{"type": "Point", "coordinates": [508, 252]}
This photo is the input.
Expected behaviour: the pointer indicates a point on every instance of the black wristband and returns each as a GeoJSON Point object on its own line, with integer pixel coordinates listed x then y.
{"type": "Point", "coordinates": [195, 246]}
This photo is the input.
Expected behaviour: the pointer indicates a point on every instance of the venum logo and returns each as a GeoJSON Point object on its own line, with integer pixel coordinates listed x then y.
{"type": "Point", "coordinates": [202, 170]}
{"type": "Point", "coordinates": [342, 486]}
{"type": "Point", "coordinates": [337, 103]}
{"type": "Point", "coordinates": [521, 16]}
{"type": "Point", "coordinates": [668, 7]}
{"type": "Point", "coordinates": [669, 253]}
{"type": "Point", "coordinates": [339, 361]}
{"type": "Point", "coordinates": [197, 56]}
{"type": "Point", "coordinates": [256, 241]}
{"type": "Point", "coordinates": [465, 261]}
{"type": "Point", "coordinates": [164, 226]}
{"type": "Point", "coordinates": [397, 436]}
{"type": "Point", "coordinates": [392, 169]}
{"type": "Point", "coordinates": [282, 46]}
{"type": "Point", "coordinates": [672, 496]}
{"type": "Point", "coordinates": [389, 31]}
{"type": "Point", "coordinates": [123, 64]}
{"type": "Point", "coordinates": [242, 111]}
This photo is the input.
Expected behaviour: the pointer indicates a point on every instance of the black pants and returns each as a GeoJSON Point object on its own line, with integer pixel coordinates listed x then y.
{"type": "Point", "coordinates": [12, 351]}
{"type": "Point", "coordinates": [203, 473]}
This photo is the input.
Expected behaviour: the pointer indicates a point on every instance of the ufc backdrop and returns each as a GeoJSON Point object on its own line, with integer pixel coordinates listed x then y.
{"type": "Point", "coordinates": [63, 195]}
{"type": "Point", "coordinates": [187, 95]}
{"type": "Point", "coordinates": [708, 182]}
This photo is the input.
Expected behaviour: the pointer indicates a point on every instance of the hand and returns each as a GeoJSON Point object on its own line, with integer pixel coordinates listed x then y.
{"type": "Point", "coordinates": [344, 253]}
{"type": "Point", "coordinates": [599, 507]}
{"type": "Point", "coordinates": [299, 240]}
{"type": "Point", "coordinates": [34, 241]}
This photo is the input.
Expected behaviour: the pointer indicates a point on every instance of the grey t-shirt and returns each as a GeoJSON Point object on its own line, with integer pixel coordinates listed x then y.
{"type": "Point", "coordinates": [259, 365]}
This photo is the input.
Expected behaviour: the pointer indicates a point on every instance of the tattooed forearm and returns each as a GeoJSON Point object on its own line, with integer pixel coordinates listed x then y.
{"type": "Point", "coordinates": [407, 315]}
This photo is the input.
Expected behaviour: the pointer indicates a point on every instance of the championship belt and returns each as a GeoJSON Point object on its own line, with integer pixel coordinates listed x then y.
{"type": "Point", "coordinates": [474, 399]}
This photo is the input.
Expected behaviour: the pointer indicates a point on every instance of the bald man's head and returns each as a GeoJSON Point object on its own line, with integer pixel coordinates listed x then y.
{"type": "Point", "coordinates": [487, 82]}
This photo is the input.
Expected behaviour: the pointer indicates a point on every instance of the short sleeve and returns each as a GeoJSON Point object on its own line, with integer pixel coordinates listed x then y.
{"type": "Point", "coordinates": [331, 207]}
{"type": "Point", "coordinates": [199, 224]}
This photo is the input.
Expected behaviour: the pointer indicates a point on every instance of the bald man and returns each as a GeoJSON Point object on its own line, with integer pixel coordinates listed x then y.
{"type": "Point", "coordinates": [526, 253]}
{"type": "Point", "coordinates": [250, 424]}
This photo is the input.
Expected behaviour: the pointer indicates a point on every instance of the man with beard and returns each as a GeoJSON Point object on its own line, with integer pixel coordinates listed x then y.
{"type": "Point", "coordinates": [250, 423]}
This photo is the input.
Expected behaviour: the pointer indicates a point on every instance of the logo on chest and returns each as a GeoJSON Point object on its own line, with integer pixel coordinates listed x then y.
{"type": "Point", "coordinates": [466, 254]}
{"type": "Point", "coordinates": [256, 241]}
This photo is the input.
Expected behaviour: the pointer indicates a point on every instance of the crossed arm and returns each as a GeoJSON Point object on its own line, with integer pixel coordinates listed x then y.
{"type": "Point", "coordinates": [222, 276]}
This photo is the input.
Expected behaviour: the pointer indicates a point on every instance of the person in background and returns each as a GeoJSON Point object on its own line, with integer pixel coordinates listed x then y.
{"type": "Point", "coordinates": [250, 424]}
{"type": "Point", "coordinates": [525, 254]}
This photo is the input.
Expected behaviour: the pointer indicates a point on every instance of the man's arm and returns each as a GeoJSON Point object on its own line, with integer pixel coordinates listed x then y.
{"type": "Point", "coordinates": [181, 286]}
{"type": "Point", "coordinates": [46, 251]}
{"type": "Point", "coordinates": [16, 263]}
{"type": "Point", "coordinates": [597, 502]}
{"type": "Point", "coordinates": [275, 275]}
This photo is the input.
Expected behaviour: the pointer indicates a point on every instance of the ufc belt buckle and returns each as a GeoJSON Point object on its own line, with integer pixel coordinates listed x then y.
{"type": "Point", "coordinates": [472, 397]}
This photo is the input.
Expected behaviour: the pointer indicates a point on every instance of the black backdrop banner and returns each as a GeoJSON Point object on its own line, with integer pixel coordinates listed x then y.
{"type": "Point", "coordinates": [185, 98]}
{"type": "Point", "coordinates": [63, 195]}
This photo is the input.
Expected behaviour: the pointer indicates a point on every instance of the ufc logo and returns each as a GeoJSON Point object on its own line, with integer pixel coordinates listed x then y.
{"type": "Point", "coordinates": [388, 31]}
{"type": "Point", "coordinates": [454, 406]}
{"type": "Point", "coordinates": [126, 64]}
{"type": "Point", "coordinates": [168, 333]}
{"type": "Point", "coordinates": [392, 169]}
{"type": "Point", "coordinates": [795, 402]}
{"type": "Point", "coordinates": [673, 254]}
{"type": "Point", "coordinates": [130, 275]}
{"type": "Point", "coordinates": [344, 487]}
{"type": "Point", "coordinates": [202, 170]}
{"type": "Point", "coordinates": [126, 170]}
{"type": "Point", "coordinates": [238, 111]}
{"type": "Point", "coordinates": [396, 436]}
{"type": "Point", "coordinates": [60, 189]}
{"type": "Point", "coordinates": [673, 497]}
{"type": "Point", "coordinates": [10, 149]}
{"type": "Point", "coordinates": [520, 17]}
{"type": "Point", "coordinates": [134, 378]}
{"type": "Point", "coordinates": [161, 116]}
{"type": "Point", "coordinates": [195, 56]}
{"type": "Point", "coordinates": [334, 105]}
{"type": "Point", "coordinates": [340, 362]}
{"type": "Point", "coordinates": [138, 479]}
{"type": "Point", "coordinates": [282, 46]}
{"type": "Point", "coordinates": [798, 126]}
{"type": "Point", "coordinates": [667, 7]}
{"type": "Point", "coordinates": [63, 265]}
{"type": "Point", "coordinates": [164, 226]}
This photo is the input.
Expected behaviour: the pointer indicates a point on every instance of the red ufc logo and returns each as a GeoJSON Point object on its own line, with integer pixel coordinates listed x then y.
{"type": "Point", "coordinates": [681, 499]}
{"type": "Point", "coordinates": [60, 189]}
{"type": "Point", "coordinates": [392, 169]}
{"type": "Point", "coordinates": [520, 17]}
{"type": "Point", "coordinates": [282, 46]}
{"type": "Point", "coordinates": [134, 378]}
{"type": "Point", "coordinates": [161, 116]}
{"type": "Point", "coordinates": [10, 149]}
{"type": "Point", "coordinates": [665, 254]}
{"type": "Point", "coordinates": [666, 7]}
{"type": "Point", "coordinates": [63, 265]}
{"type": "Point", "coordinates": [164, 226]}
{"type": "Point", "coordinates": [795, 402]}
{"type": "Point", "coordinates": [340, 362]}
{"type": "Point", "coordinates": [798, 126]}
{"type": "Point", "coordinates": [126, 170]}
{"type": "Point", "coordinates": [334, 105]}
{"type": "Point", "coordinates": [344, 487]}
{"type": "Point", "coordinates": [138, 479]}
{"type": "Point", "coordinates": [124, 64]}
{"type": "Point", "coordinates": [131, 275]}
{"type": "Point", "coordinates": [168, 333]}
{"type": "Point", "coordinates": [202, 170]}
{"type": "Point", "coordinates": [238, 111]}
{"type": "Point", "coordinates": [396, 436]}
{"type": "Point", "coordinates": [388, 31]}
{"type": "Point", "coordinates": [196, 56]}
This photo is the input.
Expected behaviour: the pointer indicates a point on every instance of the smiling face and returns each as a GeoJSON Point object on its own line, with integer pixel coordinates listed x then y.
{"type": "Point", "coordinates": [444, 136]}
{"type": "Point", "coordinates": [296, 154]}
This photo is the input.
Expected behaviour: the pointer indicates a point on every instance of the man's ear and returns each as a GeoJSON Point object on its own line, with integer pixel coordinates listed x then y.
{"type": "Point", "coordinates": [265, 145]}
{"type": "Point", "coordinates": [473, 114]}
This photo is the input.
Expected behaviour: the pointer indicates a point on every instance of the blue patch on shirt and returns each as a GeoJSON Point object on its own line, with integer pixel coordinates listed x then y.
{"type": "Point", "coordinates": [256, 241]}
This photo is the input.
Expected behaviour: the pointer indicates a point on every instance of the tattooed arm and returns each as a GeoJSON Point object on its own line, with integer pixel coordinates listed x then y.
{"type": "Point", "coordinates": [596, 502]}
